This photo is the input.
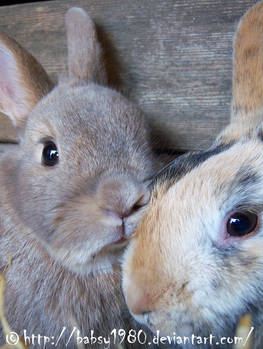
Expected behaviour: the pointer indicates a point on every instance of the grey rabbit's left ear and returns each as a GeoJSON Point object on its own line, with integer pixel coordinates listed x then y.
{"type": "Point", "coordinates": [84, 51]}
{"type": "Point", "coordinates": [23, 81]}
{"type": "Point", "coordinates": [247, 94]}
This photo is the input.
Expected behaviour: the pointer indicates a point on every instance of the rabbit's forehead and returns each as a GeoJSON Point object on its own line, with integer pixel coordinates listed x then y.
{"type": "Point", "coordinates": [84, 111]}
{"type": "Point", "coordinates": [222, 182]}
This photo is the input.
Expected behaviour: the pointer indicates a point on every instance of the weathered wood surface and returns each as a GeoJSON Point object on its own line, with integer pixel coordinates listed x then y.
{"type": "Point", "coordinates": [6, 147]}
{"type": "Point", "coordinates": [172, 57]}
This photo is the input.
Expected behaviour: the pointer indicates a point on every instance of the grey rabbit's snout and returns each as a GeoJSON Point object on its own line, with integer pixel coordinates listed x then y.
{"type": "Point", "coordinates": [121, 197]}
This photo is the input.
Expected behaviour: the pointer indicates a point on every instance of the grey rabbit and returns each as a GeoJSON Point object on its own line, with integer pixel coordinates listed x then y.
{"type": "Point", "coordinates": [71, 194]}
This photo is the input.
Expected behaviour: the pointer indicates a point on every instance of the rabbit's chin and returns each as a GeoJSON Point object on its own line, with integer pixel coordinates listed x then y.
{"type": "Point", "coordinates": [80, 261]}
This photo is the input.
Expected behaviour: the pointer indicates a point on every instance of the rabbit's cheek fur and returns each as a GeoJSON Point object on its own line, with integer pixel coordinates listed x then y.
{"type": "Point", "coordinates": [179, 276]}
{"type": "Point", "coordinates": [83, 234]}
{"type": "Point", "coordinates": [87, 239]}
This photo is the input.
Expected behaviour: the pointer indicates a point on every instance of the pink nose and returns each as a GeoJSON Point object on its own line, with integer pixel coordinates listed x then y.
{"type": "Point", "coordinates": [122, 194]}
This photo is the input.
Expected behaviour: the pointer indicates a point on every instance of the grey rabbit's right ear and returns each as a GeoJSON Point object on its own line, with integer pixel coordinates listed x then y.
{"type": "Point", "coordinates": [247, 95]}
{"type": "Point", "coordinates": [84, 51]}
{"type": "Point", "coordinates": [23, 81]}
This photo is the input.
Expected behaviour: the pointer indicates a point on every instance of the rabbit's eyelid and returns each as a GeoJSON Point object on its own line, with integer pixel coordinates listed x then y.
{"type": "Point", "coordinates": [45, 140]}
{"type": "Point", "coordinates": [246, 207]}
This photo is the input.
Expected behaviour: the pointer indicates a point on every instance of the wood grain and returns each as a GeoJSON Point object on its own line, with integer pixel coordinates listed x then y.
{"type": "Point", "coordinates": [172, 57]}
{"type": "Point", "coordinates": [7, 147]}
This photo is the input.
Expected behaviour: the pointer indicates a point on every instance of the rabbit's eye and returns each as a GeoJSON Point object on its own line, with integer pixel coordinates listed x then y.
{"type": "Point", "coordinates": [50, 154]}
{"type": "Point", "coordinates": [241, 224]}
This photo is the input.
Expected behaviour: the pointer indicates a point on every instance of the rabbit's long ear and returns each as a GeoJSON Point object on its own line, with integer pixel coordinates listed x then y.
{"type": "Point", "coordinates": [23, 81]}
{"type": "Point", "coordinates": [247, 98]}
{"type": "Point", "coordinates": [84, 52]}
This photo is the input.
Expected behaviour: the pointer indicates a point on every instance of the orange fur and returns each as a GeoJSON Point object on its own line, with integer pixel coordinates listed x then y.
{"type": "Point", "coordinates": [183, 272]}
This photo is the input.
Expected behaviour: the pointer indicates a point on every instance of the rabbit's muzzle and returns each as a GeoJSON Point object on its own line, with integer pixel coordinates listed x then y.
{"type": "Point", "coordinates": [92, 225]}
{"type": "Point", "coordinates": [122, 198]}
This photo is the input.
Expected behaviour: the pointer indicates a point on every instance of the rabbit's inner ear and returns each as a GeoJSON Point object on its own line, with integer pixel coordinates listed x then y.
{"type": "Point", "coordinates": [23, 82]}
{"type": "Point", "coordinates": [11, 96]}
{"type": "Point", "coordinates": [84, 51]}
{"type": "Point", "coordinates": [15, 100]}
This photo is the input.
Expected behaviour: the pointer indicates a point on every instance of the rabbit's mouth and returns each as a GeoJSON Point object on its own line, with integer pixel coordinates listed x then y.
{"type": "Point", "coordinates": [120, 243]}
{"type": "Point", "coordinates": [92, 255]}
{"type": "Point", "coordinates": [103, 261]}
{"type": "Point", "coordinates": [88, 242]}
{"type": "Point", "coordinates": [120, 237]}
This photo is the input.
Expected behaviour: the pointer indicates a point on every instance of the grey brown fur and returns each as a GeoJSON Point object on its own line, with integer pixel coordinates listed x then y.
{"type": "Point", "coordinates": [61, 224]}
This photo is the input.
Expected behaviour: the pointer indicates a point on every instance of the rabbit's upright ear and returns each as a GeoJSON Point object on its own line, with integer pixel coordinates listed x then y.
{"type": "Point", "coordinates": [84, 52]}
{"type": "Point", "coordinates": [247, 98]}
{"type": "Point", "coordinates": [23, 81]}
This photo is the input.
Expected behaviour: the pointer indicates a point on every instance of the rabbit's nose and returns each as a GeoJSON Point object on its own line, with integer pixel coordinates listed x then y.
{"type": "Point", "coordinates": [122, 195]}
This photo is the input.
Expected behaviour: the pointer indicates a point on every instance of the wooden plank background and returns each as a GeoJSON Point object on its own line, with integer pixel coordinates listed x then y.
{"type": "Point", "coordinates": [172, 57]}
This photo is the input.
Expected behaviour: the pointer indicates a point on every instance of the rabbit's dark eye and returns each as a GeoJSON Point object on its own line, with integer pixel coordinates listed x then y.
{"type": "Point", "coordinates": [50, 154]}
{"type": "Point", "coordinates": [240, 224]}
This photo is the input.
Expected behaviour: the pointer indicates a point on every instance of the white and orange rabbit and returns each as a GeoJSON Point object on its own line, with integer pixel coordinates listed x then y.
{"type": "Point", "coordinates": [195, 263]}
{"type": "Point", "coordinates": [72, 192]}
